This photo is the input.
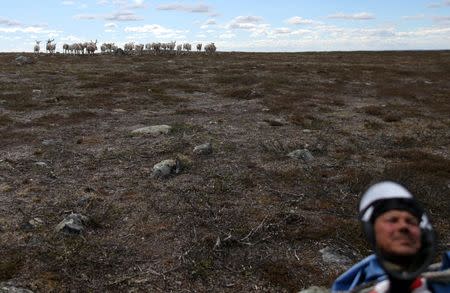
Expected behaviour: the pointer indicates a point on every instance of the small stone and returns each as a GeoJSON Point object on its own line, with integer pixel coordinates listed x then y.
{"type": "Point", "coordinates": [41, 164]}
{"type": "Point", "coordinates": [203, 149]}
{"type": "Point", "coordinates": [275, 122]}
{"type": "Point", "coordinates": [7, 288]}
{"type": "Point", "coordinates": [301, 154]}
{"type": "Point", "coordinates": [315, 289]}
{"type": "Point", "coordinates": [72, 224]}
{"type": "Point", "coordinates": [153, 130]}
{"type": "Point", "coordinates": [22, 60]}
{"type": "Point", "coordinates": [32, 224]}
{"type": "Point", "coordinates": [166, 167]}
{"type": "Point", "coordinates": [331, 256]}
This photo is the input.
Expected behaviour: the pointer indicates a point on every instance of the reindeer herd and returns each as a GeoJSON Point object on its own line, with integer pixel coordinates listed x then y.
{"type": "Point", "coordinates": [129, 48]}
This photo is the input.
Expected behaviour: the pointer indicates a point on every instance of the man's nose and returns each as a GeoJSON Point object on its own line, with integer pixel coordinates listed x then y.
{"type": "Point", "coordinates": [404, 226]}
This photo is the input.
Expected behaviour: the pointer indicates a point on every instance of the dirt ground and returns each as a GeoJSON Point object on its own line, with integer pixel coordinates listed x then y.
{"type": "Point", "coordinates": [246, 218]}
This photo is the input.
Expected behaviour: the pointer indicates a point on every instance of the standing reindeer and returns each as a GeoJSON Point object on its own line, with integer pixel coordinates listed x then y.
{"type": "Point", "coordinates": [37, 48]}
{"type": "Point", "coordinates": [50, 47]}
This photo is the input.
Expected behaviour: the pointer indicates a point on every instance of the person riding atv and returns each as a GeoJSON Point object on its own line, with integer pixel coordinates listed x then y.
{"type": "Point", "coordinates": [403, 241]}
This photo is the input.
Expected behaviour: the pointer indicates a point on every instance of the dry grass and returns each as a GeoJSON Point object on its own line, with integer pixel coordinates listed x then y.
{"type": "Point", "coordinates": [365, 116]}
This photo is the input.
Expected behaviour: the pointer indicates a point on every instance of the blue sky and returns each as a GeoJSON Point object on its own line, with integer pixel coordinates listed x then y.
{"type": "Point", "coordinates": [245, 25]}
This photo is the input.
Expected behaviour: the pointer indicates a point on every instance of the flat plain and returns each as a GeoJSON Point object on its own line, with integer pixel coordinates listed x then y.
{"type": "Point", "coordinates": [245, 218]}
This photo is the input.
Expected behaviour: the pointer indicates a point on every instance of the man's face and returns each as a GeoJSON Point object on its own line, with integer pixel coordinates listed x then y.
{"type": "Point", "coordinates": [397, 233]}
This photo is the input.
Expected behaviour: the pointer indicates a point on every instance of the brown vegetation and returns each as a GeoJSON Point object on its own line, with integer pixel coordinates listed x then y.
{"type": "Point", "coordinates": [243, 219]}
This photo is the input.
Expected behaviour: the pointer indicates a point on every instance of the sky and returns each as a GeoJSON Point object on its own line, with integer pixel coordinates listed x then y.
{"type": "Point", "coordinates": [244, 25]}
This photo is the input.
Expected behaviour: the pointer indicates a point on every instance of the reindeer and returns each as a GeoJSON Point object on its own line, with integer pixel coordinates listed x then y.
{"type": "Point", "coordinates": [91, 47]}
{"type": "Point", "coordinates": [50, 47]}
{"type": "Point", "coordinates": [37, 48]}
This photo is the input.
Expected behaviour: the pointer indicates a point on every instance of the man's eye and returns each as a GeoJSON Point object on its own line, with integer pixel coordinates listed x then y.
{"type": "Point", "coordinates": [413, 222]}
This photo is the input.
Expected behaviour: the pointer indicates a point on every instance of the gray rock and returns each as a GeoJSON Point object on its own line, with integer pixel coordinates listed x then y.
{"type": "Point", "coordinates": [154, 130]}
{"type": "Point", "coordinates": [166, 167]}
{"type": "Point", "coordinates": [333, 256]}
{"type": "Point", "coordinates": [32, 224]}
{"type": "Point", "coordinates": [22, 60]}
{"type": "Point", "coordinates": [275, 122]}
{"type": "Point", "coordinates": [72, 224]}
{"type": "Point", "coordinates": [301, 154]}
{"type": "Point", "coordinates": [315, 289]}
{"type": "Point", "coordinates": [203, 149]}
{"type": "Point", "coordinates": [41, 164]}
{"type": "Point", "coordinates": [7, 288]}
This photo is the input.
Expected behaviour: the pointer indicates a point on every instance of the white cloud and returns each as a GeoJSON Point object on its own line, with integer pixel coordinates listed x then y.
{"type": "Point", "coordinates": [355, 16]}
{"type": "Point", "coordinates": [413, 17]}
{"type": "Point", "coordinates": [137, 4]}
{"type": "Point", "coordinates": [156, 30]}
{"type": "Point", "coordinates": [282, 31]}
{"type": "Point", "coordinates": [123, 16]}
{"type": "Point", "coordinates": [244, 22]}
{"type": "Point", "coordinates": [86, 16]}
{"type": "Point", "coordinates": [208, 23]}
{"type": "Point", "coordinates": [8, 22]}
{"type": "Point", "coordinates": [199, 8]}
{"type": "Point", "coordinates": [29, 29]}
{"type": "Point", "coordinates": [439, 4]}
{"type": "Point", "coordinates": [296, 20]}
{"type": "Point", "coordinates": [227, 35]}
{"type": "Point", "coordinates": [110, 27]}
{"type": "Point", "coordinates": [442, 19]}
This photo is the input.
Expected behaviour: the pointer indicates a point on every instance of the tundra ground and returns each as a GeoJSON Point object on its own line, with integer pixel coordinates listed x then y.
{"type": "Point", "coordinates": [246, 218]}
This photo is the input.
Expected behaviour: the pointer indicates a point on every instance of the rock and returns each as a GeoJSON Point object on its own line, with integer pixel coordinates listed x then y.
{"type": "Point", "coordinates": [332, 256]}
{"type": "Point", "coordinates": [41, 164]}
{"type": "Point", "coordinates": [301, 154]}
{"type": "Point", "coordinates": [203, 149]}
{"type": "Point", "coordinates": [7, 288]}
{"type": "Point", "coordinates": [32, 224]}
{"type": "Point", "coordinates": [22, 60]}
{"type": "Point", "coordinates": [166, 167]}
{"type": "Point", "coordinates": [275, 122]}
{"type": "Point", "coordinates": [315, 289]}
{"type": "Point", "coordinates": [72, 224]}
{"type": "Point", "coordinates": [154, 130]}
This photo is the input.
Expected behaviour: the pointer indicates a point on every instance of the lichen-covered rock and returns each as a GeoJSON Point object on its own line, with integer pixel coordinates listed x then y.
{"type": "Point", "coordinates": [154, 130]}
{"type": "Point", "coordinates": [301, 154]}
{"type": "Point", "coordinates": [22, 60]}
{"type": "Point", "coordinates": [203, 149]}
{"type": "Point", "coordinates": [333, 256]}
{"type": "Point", "coordinates": [72, 224]}
{"type": "Point", "coordinates": [166, 167]}
{"type": "Point", "coordinates": [7, 288]}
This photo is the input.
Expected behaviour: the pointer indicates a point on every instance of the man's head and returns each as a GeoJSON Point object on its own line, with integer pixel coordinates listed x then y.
{"type": "Point", "coordinates": [397, 228]}
{"type": "Point", "coordinates": [392, 219]}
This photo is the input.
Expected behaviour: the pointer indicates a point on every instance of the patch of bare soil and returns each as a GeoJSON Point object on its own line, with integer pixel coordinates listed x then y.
{"type": "Point", "coordinates": [245, 218]}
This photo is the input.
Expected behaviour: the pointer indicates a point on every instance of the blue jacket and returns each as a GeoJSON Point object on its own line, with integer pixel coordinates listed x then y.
{"type": "Point", "coordinates": [369, 270]}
